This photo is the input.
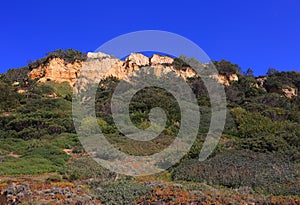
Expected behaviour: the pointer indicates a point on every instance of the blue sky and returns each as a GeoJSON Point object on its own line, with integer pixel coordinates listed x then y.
{"type": "Point", "coordinates": [255, 34]}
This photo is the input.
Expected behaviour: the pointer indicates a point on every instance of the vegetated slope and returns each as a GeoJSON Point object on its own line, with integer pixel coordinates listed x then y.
{"type": "Point", "coordinates": [259, 149]}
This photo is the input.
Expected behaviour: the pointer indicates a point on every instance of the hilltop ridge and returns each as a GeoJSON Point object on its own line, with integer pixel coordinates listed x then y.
{"type": "Point", "coordinates": [58, 70]}
{"type": "Point", "coordinates": [65, 66]}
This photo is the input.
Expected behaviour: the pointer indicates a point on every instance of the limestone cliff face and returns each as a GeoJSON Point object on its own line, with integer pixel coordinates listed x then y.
{"type": "Point", "coordinates": [58, 70]}
{"type": "Point", "coordinates": [157, 59]}
{"type": "Point", "coordinates": [225, 80]}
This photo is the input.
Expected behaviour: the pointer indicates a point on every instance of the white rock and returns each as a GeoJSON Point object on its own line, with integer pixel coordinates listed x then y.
{"type": "Point", "coordinates": [97, 55]}
{"type": "Point", "coordinates": [138, 59]}
{"type": "Point", "coordinates": [158, 59]}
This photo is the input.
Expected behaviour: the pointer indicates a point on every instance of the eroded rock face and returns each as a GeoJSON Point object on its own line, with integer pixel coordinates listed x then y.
{"type": "Point", "coordinates": [225, 80]}
{"type": "Point", "coordinates": [97, 55]}
{"type": "Point", "coordinates": [261, 80]}
{"type": "Point", "coordinates": [58, 70]}
{"type": "Point", "coordinates": [290, 92]}
{"type": "Point", "coordinates": [233, 77]}
{"type": "Point", "coordinates": [138, 59]}
{"type": "Point", "coordinates": [160, 60]}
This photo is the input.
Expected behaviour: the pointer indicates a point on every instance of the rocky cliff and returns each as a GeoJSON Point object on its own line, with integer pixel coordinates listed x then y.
{"type": "Point", "coordinates": [56, 69]}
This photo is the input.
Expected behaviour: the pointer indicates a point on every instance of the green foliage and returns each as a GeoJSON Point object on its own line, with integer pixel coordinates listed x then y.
{"type": "Point", "coordinates": [60, 89]}
{"type": "Point", "coordinates": [64, 140]}
{"type": "Point", "coordinates": [16, 166]}
{"type": "Point", "coordinates": [9, 98]}
{"type": "Point", "coordinates": [179, 63]}
{"type": "Point", "coordinates": [249, 73]}
{"type": "Point", "coordinates": [120, 192]}
{"type": "Point", "coordinates": [34, 157]}
{"type": "Point", "coordinates": [265, 135]}
{"type": "Point", "coordinates": [271, 71]}
{"type": "Point", "coordinates": [49, 152]}
{"type": "Point", "coordinates": [15, 145]}
{"type": "Point", "coordinates": [68, 55]}
{"type": "Point", "coordinates": [281, 80]}
{"type": "Point", "coordinates": [246, 86]}
{"type": "Point", "coordinates": [15, 75]}
{"type": "Point", "coordinates": [263, 172]}
{"type": "Point", "coordinates": [265, 142]}
{"type": "Point", "coordinates": [253, 123]}
{"type": "Point", "coordinates": [198, 87]}
{"type": "Point", "coordinates": [226, 68]}
{"type": "Point", "coordinates": [85, 168]}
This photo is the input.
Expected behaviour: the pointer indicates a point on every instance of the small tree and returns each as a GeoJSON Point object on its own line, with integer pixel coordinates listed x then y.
{"type": "Point", "coordinates": [271, 71]}
{"type": "Point", "coordinates": [249, 73]}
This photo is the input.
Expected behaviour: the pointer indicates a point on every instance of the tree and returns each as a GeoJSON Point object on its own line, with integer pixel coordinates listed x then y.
{"type": "Point", "coordinates": [272, 71]}
{"type": "Point", "coordinates": [249, 72]}
{"type": "Point", "coordinates": [226, 68]}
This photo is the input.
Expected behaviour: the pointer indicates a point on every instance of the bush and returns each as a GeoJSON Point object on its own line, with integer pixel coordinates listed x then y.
{"type": "Point", "coordinates": [226, 68]}
{"type": "Point", "coordinates": [55, 155]}
{"type": "Point", "coordinates": [64, 140]}
{"type": "Point", "coordinates": [265, 142]}
{"type": "Point", "coordinates": [240, 168]}
{"type": "Point", "coordinates": [260, 133]}
{"type": "Point", "coordinates": [120, 192]}
{"type": "Point", "coordinates": [35, 165]}
{"type": "Point", "coordinates": [68, 55]}
{"type": "Point", "coordinates": [15, 75]}
{"type": "Point", "coordinates": [281, 80]}
{"type": "Point", "coordinates": [179, 63]}
{"type": "Point", "coordinates": [15, 145]}
{"type": "Point", "coordinates": [60, 89]}
{"type": "Point", "coordinates": [9, 99]}
{"type": "Point", "coordinates": [85, 168]}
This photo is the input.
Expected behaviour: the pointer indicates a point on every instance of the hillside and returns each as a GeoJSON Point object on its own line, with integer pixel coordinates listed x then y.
{"type": "Point", "coordinates": [42, 160]}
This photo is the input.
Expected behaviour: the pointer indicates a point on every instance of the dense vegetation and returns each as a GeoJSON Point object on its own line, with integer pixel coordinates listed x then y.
{"type": "Point", "coordinates": [69, 56]}
{"type": "Point", "coordinates": [259, 149]}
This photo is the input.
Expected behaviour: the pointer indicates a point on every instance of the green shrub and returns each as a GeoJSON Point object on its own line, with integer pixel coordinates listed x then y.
{"type": "Point", "coordinates": [260, 133]}
{"type": "Point", "coordinates": [9, 99]}
{"type": "Point", "coordinates": [33, 165]}
{"type": "Point", "coordinates": [265, 142]}
{"type": "Point", "coordinates": [240, 168]}
{"type": "Point", "coordinates": [64, 140]}
{"type": "Point", "coordinates": [15, 75]}
{"type": "Point", "coordinates": [120, 192]}
{"type": "Point", "coordinates": [68, 55]}
{"type": "Point", "coordinates": [60, 89]}
{"type": "Point", "coordinates": [52, 153]}
{"type": "Point", "coordinates": [179, 63]}
{"type": "Point", "coordinates": [15, 145]}
{"type": "Point", "coordinates": [226, 68]}
{"type": "Point", "coordinates": [85, 168]}
{"type": "Point", "coordinates": [280, 80]}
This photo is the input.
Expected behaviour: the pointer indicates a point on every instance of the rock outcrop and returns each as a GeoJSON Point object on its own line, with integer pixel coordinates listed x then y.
{"type": "Point", "coordinates": [160, 60]}
{"type": "Point", "coordinates": [290, 92]}
{"type": "Point", "coordinates": [138, 59]}
{"type": "Point", "coordinates": [225, 80]}
{"type": "Point", "coordinates": [287, 91]}
{"type": "Point", "coordinates": [58, 70]}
